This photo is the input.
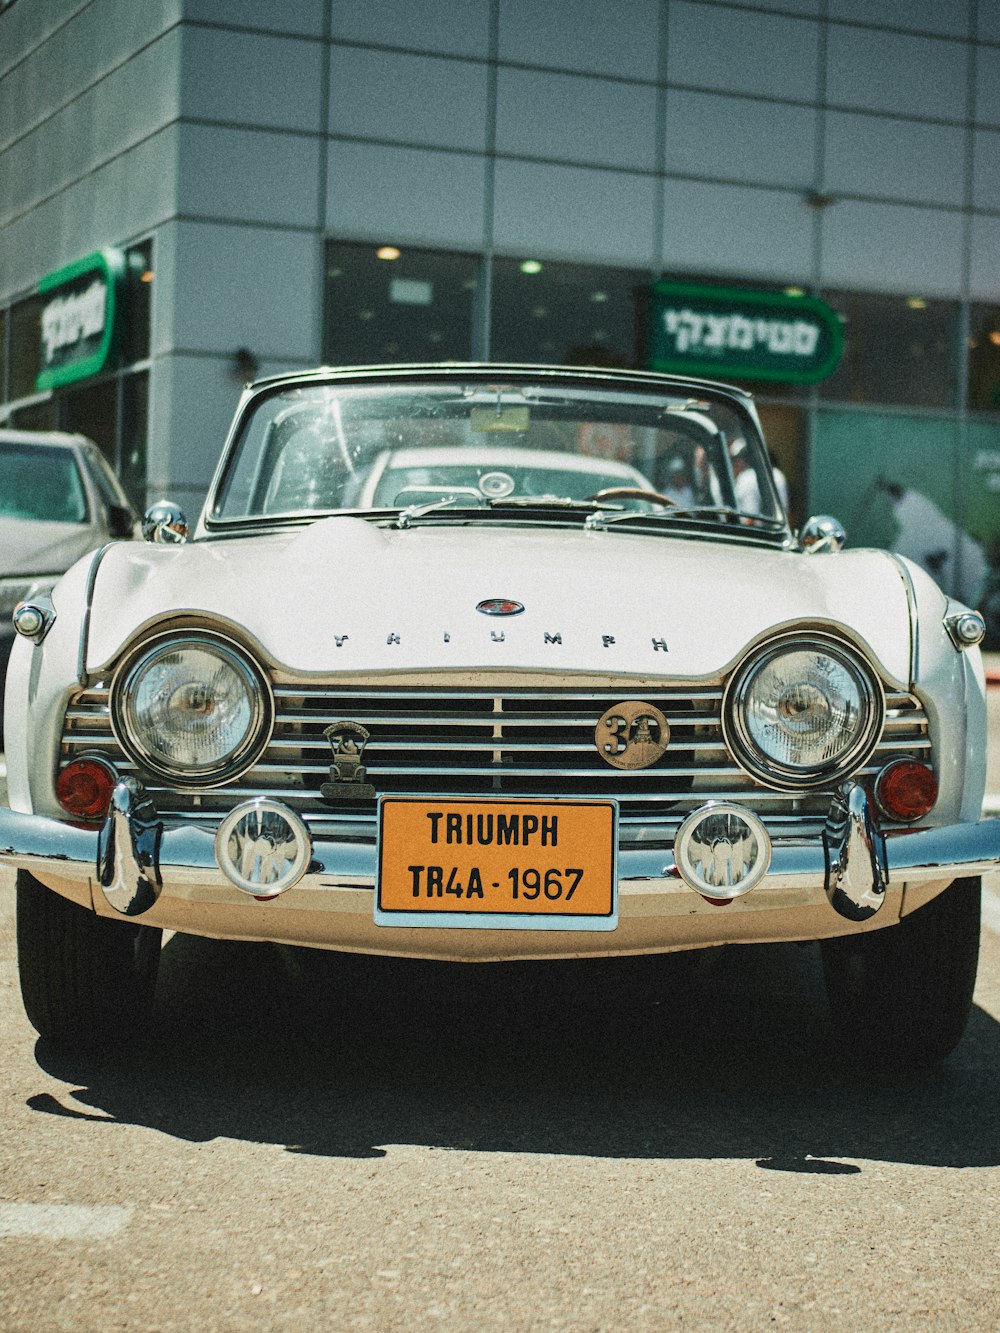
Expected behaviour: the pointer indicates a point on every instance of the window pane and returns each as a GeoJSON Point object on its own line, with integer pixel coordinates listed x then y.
{"type": "Point", "coordinates": [415, 306]}
{"type": "Point", "coordinates": [567, 313]}
{"type": "Point", "coordinates": [138, 303]}
{"type": "Point", "coordinates": [92, 411]}
{"type": "Point", "coordinates": [135, 432]}
{"type": "Point", "coordinates": [984, 358]}
{"type": "Point", "coordinates": [892, 479]}
{"type": "Point", "coordinates": [896, 350]}
{"type": "Point", "coordinates": [41, 483]}
{"type": "Point", "coordinates": [4, 395]}
{"type": "Point", "coordinates": [25, 346]}
{"type": "Point", "coordinates": [43, 415]}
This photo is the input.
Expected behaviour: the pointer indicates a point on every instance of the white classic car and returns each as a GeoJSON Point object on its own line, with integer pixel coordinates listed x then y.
{"type": "Point", "coordinates": [498, 662]}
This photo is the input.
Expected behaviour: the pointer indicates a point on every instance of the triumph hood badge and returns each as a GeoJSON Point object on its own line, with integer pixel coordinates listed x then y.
{"type": "Point", "coordinates": [499, 606]}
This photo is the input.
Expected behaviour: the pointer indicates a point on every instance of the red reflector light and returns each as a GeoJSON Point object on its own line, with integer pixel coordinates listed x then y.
{"type": "Point", "coordinates": [84, 788]}
{"type": "Point", "coordinates": [906, 790]}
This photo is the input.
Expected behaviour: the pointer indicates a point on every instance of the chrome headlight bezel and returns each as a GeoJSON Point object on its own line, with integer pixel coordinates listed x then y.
{"type": "Point", "coordinates": [236, 761]}
{"type": "Point", "coordinates": [748, 752]}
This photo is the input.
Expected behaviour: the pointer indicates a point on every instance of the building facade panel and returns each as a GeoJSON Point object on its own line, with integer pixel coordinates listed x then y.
{"type": "Point", "coordinates": [986, 169]}
{"type": "Point", "coordinates": [418, 25]}
{"type": "Point", "coordinates": [303, 18]}
{"type": "Point", "coordinates": [76, 49]}
{"type": "Point", "coordinates": [88, 131]}
{"type": "Point", "coordinates": [251, 175]}
{"type": "Point", "coordinates": [892, 247]}
{"type": "Point", "coordinates": [734, 51]}
{"type": "Point", "coordinates": [416, 195]}
{"type": "Point", "coordinates": [197, 398]}
{"type": "Point", "coordinates": [102, 208]}
{"type": "Point", "coordinates": [567, 118]}
{"type": "Point", "coordinates": [594, 37]}
{"type": "Point", "coordinates": [400, 180]}
{"type": "Point", "coordinates": [987, 106]}
{"type": "Point", "coordinates": [251, 287]}
{"type": "Point", "coordinates": [437, 102]}
{"type": "Point", "coordinates": [734, 138]}
{"type": "Point", "coordinates": [736, 230]}
{"type": "Point", "coordinates": [251, 79]}
{"type": "Point", "coordinates": [606, 216]}
{"type": "Point", "coordinates": [929, 16]}
{"type": "Point", "coordinates": [887, 157]}
{"type": "Point", "coordinates": [897, 73]}
{"type": "Point", "coordinates": [984, 263]}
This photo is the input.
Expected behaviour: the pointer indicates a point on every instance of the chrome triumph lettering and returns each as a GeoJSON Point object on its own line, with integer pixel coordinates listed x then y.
{"type": "Point", "coordinates": [511, 830]}
{"type": "Point", "coordinates": [550, 638]}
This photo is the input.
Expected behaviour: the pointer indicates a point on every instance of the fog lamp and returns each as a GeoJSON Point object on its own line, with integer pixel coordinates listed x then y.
{"type": "Point", "coordinates": [84, 787]}
{"type": "Point", "coordinates": [722, 851]}
{"type": "Point", "coordinates": [263, 847]}
{"type": "Point", "coordinates": [906, 789]}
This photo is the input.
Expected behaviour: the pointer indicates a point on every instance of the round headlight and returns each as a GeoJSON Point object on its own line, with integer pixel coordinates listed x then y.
{"type": "Point", "coordinates": [192, 709]}
{"type": "Point", "coordinates": [804, 712]}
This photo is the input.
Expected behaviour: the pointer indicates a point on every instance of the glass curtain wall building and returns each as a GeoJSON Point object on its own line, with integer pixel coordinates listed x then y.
{"type": "Point", "coordinates": [288, 185]}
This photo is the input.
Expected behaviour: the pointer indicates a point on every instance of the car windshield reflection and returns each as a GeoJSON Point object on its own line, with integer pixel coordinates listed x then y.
{"type": "Point", "coordinates": [41, 484]}
{"type": "Point", "coordinates": [445, 447]}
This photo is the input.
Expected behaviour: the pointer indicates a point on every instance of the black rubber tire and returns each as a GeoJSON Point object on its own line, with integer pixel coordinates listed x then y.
{"type": "Point", "coordinates": [87, 981]}
{"type": "Point", "coordinates": [900, 997]}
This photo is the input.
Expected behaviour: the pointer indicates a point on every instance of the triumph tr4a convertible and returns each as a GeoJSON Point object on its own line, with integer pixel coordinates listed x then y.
{"type": "Point", "coordinates": [497, 662]}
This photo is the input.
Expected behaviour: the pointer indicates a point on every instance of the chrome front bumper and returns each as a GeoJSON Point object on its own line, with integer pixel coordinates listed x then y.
{"type": "Point", "coordinates": [140, 866]}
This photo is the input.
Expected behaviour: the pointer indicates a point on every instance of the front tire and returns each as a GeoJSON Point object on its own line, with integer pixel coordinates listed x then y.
{"type": "Point", "coordinates": [86, 980]}
{"type": "Point", "coordinates": [900, 997]}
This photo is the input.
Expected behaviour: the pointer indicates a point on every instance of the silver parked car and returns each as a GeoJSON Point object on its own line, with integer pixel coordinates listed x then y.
{"type": "Point", "coordinates": [59, 499]}
{"type": "Point", "coordinates": [499, 662]}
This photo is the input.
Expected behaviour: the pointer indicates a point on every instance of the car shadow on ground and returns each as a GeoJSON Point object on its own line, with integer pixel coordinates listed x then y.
{"type": "Point", "coordinates": [722, 1053]}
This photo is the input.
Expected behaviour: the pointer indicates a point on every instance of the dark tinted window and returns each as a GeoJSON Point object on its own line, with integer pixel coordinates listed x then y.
{"type": "Point", "coordinates": [897, 349]}
{"type": "Point", "coordinates": [567, 314]}
{"type": "Point", "coordinates": [389, 303]}
{"type": "Point", "coordinates": [984, 358]}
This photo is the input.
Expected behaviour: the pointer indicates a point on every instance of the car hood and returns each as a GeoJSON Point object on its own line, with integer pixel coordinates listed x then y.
{"type": "Point", "coordinates": [30, 546]}
{"type": "Point", "coordinates": [344, 595]}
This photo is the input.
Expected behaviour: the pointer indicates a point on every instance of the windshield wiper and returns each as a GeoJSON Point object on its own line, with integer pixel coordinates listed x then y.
{"type": "Point", "coordinates": [603, 518]}
{"type": "Point", "coordinates": [406, 516]}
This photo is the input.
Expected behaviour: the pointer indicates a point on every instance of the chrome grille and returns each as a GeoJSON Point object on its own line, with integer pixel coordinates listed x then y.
{"type": "Point", "coordinates": [494, 741]}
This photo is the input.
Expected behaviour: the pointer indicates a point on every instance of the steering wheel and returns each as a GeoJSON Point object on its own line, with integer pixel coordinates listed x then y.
{"type": "Point", "coordinates": [631, 493]}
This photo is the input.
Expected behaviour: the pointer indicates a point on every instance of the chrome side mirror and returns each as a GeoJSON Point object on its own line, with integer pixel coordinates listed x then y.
{"type": "Point", "coordinates": [165, 523]}
{"type": "Point", "coordinates": [822, 533]}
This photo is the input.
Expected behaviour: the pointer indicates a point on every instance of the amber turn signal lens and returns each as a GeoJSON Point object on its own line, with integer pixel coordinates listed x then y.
{"type": "Point", "coordinates": [84, 788]}
{"type": "Point", "coordinates": [906, 790]}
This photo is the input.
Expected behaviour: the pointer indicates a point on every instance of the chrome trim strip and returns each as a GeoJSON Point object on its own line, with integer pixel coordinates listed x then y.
{"type": "Point", "coordinates": [295, 762]}
{"type": "Point", "coordinates": [911, 602]}
{"type": "Point", "coordinates": [37, 842]}
{"type": "Point", "coordinates": [81, 661]}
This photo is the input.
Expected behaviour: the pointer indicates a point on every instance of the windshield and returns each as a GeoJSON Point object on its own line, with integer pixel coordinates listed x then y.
{"type": "Point", "coordinates": [41, 482]}
{"type": "Point", "coordinates": [316, 449]}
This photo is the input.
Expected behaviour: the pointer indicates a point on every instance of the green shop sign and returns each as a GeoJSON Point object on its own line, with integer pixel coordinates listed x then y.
{"type": "Point", "coordinates": [80, 318]}
{"type": "Point", "coordinates": [725, 331]}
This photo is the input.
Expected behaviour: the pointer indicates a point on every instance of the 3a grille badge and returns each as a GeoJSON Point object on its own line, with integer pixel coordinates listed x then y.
{"type": "Point", "coordinates": [632, 735]}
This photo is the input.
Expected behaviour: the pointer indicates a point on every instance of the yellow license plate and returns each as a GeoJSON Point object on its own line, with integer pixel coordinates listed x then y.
{"type": "Point", "coordinates": [539, 865]}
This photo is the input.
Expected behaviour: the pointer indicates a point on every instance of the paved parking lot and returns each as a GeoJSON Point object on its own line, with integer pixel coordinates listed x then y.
{"type": "Point", "coordinates": [341, 1143]}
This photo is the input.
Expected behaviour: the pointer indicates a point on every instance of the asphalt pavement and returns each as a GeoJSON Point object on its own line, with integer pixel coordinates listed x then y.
{"type": "Point", "coordinates": [332, 1143]}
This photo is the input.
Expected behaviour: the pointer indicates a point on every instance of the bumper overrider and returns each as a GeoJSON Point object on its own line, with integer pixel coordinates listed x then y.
{"type": "Point", "coordinates": [283, 884]}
